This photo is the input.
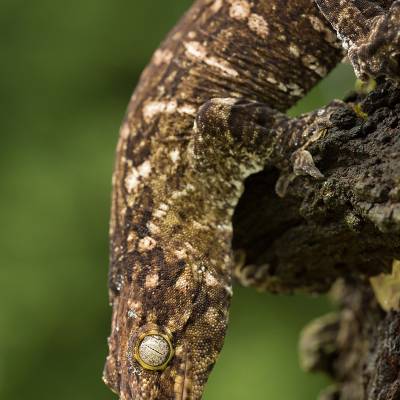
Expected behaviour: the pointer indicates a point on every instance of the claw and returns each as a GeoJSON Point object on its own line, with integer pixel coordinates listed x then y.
{"type": "Point", "coordinates": [303, 164]}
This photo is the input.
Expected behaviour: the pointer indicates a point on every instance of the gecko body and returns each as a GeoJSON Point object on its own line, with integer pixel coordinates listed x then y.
{"type": "Point", "coordinates": [206, 114]}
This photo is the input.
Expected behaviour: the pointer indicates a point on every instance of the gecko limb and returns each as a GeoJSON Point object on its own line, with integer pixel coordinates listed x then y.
{"type": "Point", "coordinates": [246, 136]}
{"type": "Point", "coordinates": [236, 134]}
{"type": "Point", "coordinates": [369, 32]}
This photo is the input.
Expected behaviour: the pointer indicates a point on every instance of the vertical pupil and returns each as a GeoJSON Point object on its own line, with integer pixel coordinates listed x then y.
{"type": "Point", "coordinates": [154, 350]}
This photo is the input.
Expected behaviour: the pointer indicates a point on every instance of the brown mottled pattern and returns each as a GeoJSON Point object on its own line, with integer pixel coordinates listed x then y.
{"type": "Point", "coordinates": [176, 183]}
{"type": "Point", "coordinates": [370, 31]}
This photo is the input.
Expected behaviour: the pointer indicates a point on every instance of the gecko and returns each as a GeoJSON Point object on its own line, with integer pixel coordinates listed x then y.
{"type": "Point", "coordinates": [208, 111]}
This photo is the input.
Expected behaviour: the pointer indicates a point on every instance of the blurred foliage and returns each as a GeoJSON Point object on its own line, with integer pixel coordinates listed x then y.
{"type": "Point", "coordinates": [67, 72]}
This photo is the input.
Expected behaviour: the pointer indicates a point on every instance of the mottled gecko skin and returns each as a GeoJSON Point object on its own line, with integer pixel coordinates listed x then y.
{"type": "Point", "coordinates": [370, 31]}
{"type": "Point", "coordinates": [205, 114]}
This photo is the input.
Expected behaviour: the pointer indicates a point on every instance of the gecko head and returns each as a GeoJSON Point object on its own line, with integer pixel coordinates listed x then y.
{"type": "Point", "coordinates": [165, 341]}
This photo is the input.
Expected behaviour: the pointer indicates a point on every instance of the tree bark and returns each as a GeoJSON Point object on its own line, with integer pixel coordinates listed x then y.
{"type": "Point", "coordinates": [343, 226]}
{"type": "Point", "coordinates": [346, 224]}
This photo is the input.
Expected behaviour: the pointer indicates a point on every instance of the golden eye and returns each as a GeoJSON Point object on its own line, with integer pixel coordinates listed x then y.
{"type": "Point", "coordinates": [154, 350]}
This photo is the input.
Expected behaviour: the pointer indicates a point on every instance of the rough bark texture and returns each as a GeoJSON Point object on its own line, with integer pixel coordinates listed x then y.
{"type": "Point", "coordinates": [345, 225]}
{"type": "Point", "coordinates": [359, 347]}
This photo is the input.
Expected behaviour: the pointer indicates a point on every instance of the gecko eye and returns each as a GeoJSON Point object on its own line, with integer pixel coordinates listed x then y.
{"type": "Point", "coordinates": [154, 350]}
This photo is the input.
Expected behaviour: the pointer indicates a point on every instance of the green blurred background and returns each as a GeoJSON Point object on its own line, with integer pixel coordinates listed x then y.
{"type": "Point", "coordinates": [67, 71]}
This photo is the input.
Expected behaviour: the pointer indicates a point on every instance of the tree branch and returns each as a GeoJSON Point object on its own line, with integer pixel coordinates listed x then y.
{"type": "Point", "coordinates": [346, 225]}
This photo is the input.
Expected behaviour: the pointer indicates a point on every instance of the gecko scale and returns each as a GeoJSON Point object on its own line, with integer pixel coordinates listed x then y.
{"type": "Point", "coordinates": [207, 113]}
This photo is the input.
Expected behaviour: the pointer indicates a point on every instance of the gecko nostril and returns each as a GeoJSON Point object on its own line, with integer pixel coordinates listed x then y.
{"type": "Point", "coordinates": [154, 350]}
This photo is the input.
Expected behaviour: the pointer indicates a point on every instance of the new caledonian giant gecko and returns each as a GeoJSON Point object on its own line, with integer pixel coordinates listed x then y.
{"type": "Point", "coordinates": [208, 112]}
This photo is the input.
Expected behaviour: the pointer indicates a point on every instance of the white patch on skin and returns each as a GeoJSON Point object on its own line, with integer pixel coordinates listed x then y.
{"type": "Point", "coordinates": [271, 79]}
{"type": "Point", "coordinates": [132, 313]}
{"type": "Point", "coordinates": [295, 90]}
{"type": "Point", "coordinates": [151, 280]}
{"type": "Point", "coordinates": [196, 51]}
{"type": "Point", "coordinates": [258, 25]}
{"type": "Point", "coordinates": [181, 282]}
{"type": "Point", "coordinates": [128, 163]}
{"type": "Point", "coordinates": [153, 108]}
{"type": "Point", "coordinates": [171, 106]}
{"type": "Point", "coordinates": [229, 290]}
{"type": "Point", "coordinates": [175, 155]}
{"type": "Point", "coordinates": [190, 247]}
{"type": "Point", "coordinates": [316, 23]}
{"type": "Point", "coordinates": [153, 228]}
{"type": "Point", "coordinates": [199, 226]}
{"type": "Point", "coordinates": [159, 213]}
{"type": "Point", "coordinates": [164, 206]}
{"type": "Point", "coordinates": [222, 65]}
{"type": "Point", "coordinates": [177, 194]}
{"type": "Point", "coordinates": [146, 244]}
{"type": "Point", "coordinates": [201, 269]}
{"type": "Point", "coordinates": [294, 50]}
{"type": "Point", "coordinates": [281, 86]}
{"type": "Point", "coordinates": [181, 253]}
{"type": "Point", "coordinates": [216, 5]}
{"type": "Point", "coordinates": [188, 189]}
{"type": "Point", "coordinates": [226, 228]}
{"type": "Point", "coordinates": [212, 315]}
{"type": "Point", "coordinates": [187, 109]}
{"type": "Point", "coordinates": [312, 63]}
{"type": "Point", "coordinates": [144, 169]}
{"type": "Point", "coordinates": [240, 10]}
{"type": "Point", "coordinates": [192, 35]}
{"type": "Point", "coordinates": [131, 237]}
{"type": "Point", "coordinates": [162, 56]}
{"type": "Point", "coordinates": [136, 175]}
{"type": "Point", "coordinates": [229, 101]}
{"type": "Point", "coordinates": [210, 280]}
